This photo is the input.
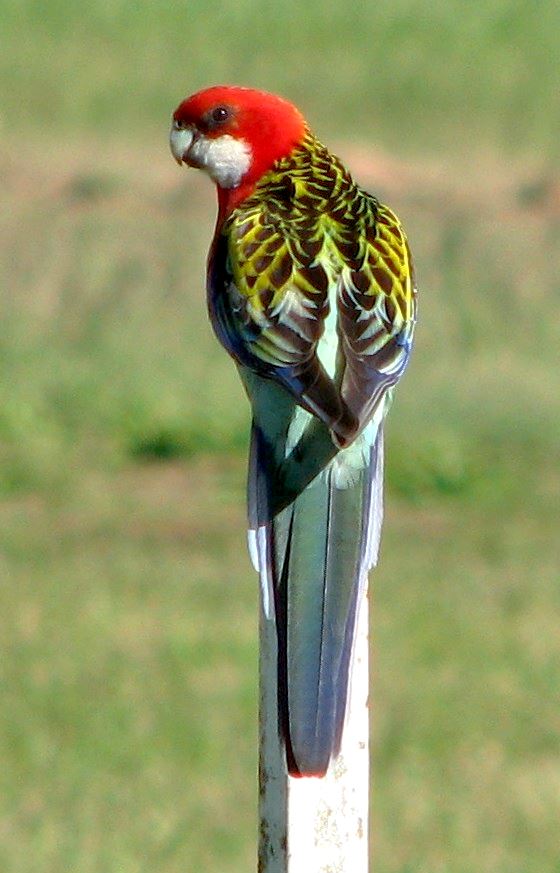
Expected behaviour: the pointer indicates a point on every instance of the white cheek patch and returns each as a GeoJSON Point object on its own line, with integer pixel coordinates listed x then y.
{"type": "Point", "coordinates": [225, 159]}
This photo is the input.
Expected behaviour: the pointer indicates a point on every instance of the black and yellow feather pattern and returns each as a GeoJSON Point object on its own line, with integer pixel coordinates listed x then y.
{"type": "Point", "coordinates": [310, 289]}
{"type": "Point", "coordinates": [306, 242]}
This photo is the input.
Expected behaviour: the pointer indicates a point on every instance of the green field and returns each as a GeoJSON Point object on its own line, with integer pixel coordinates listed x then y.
{"type": "Point", "coordinates": [128, 607]}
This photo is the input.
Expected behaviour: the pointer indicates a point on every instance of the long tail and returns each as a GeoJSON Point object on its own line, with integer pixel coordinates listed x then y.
{"type": "Point", "coordinates": [314, 545]}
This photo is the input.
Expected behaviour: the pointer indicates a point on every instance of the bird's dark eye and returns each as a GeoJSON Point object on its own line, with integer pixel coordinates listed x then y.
{"type": "Point", "coordinates": [220, 114]}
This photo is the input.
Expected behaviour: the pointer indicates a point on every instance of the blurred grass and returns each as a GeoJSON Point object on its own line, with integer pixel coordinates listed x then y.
{"type": "Point", "coordinates": [128, 663]}
{"type": "Point", "coordinates": [417, 73]}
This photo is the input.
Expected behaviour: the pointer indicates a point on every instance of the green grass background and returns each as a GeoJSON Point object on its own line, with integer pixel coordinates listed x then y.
{"type": "Point", "coordinates": [128, 607]}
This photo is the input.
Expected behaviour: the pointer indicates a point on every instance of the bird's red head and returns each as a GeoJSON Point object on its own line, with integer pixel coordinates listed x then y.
{"type": "Point", "coordinates": [235, 135]}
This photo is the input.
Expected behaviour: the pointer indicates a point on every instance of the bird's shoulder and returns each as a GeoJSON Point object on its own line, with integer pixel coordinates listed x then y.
{"type": "Point", "coordinates": [298, 226]}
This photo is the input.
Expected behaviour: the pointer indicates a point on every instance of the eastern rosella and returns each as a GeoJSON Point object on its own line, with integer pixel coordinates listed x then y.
{"type": "Point", "coordinates": [310, 290]}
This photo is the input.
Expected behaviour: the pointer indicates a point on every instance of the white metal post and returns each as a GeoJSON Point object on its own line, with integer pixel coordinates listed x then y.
{"type": "Point", "coordinates": [311, 825]}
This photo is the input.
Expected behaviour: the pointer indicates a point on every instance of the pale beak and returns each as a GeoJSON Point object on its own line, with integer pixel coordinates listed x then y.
{"type": "Point", "coordinates": [180, 141]}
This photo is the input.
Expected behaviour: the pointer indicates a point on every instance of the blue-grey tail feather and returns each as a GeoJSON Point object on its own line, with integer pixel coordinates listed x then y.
{"type": "Point", "coordinates": [313, 560]}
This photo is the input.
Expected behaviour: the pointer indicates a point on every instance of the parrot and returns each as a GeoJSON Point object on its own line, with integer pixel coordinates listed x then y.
{"type": "Point", "coordinates": [310, 289]}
